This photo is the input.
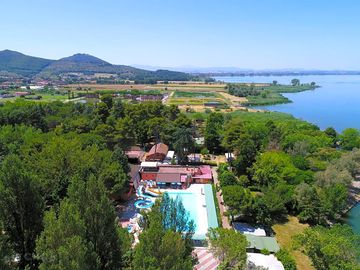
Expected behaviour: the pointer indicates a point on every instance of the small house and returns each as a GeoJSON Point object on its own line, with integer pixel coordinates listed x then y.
{"type": "Point", "coordinates": [157, 153]}
{"type": "Point", "coordinates": [258, 243]}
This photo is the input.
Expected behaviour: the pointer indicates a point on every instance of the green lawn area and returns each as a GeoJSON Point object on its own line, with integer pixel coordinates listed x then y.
{"type": "Point", "coordinates": [183, 94]}
{"type": "Point", "coordinates": [267, 95]}
{"type": "Point", "coordinates": [284, 233]}
{"type": "Point", "coordinates": [270, 98]}
{"type": "Point", "coordinates": [49, 97]}
{"type": "Point", "coordinates": [193, 101]}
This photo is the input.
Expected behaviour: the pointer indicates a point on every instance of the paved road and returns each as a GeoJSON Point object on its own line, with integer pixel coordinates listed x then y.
{"type": "Point", "coordinates": [225, 221]}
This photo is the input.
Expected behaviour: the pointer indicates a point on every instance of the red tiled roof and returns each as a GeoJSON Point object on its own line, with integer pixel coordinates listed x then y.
{"type": "Point", "coordinates": [205, 172]}
{"type": "Point", "coordinates": [168, 177]}
{"type": "Point", "coordinates": [159, 148]}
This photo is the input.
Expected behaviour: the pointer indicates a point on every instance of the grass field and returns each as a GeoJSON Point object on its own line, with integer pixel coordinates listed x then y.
{"type": "Point", "coordinates": [284, 233]}
{"type": "Point", "coordinates": [271, 98]}
{"type": "Point", "coordinates": [182, 94]}
{"type": "Point", "coordinates": [193, 101]}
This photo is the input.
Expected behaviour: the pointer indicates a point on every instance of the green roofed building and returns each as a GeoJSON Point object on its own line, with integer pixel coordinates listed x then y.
{"type": "Point", "coordinates": [257, 243]}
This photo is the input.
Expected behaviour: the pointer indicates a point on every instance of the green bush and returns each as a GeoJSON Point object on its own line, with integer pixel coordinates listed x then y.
{"type": "Point", "coordinates": [286, 258]}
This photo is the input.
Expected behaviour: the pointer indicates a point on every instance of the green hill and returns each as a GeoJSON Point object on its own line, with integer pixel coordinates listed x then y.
{"type": "Point", "coordinates": [22, 64]}
{"type": "Point", "coordinates": [29, 66]}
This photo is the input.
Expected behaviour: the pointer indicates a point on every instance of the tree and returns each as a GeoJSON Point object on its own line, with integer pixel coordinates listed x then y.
{"type": "Point", "coordinates": [236, 198]}
{"type": "Point", "coordinates": [63, 243]}
{"type": "Point", "coordinates": [229, 247]}
{"type": "Point", "coordinates": [350, 139]}
{"type": "Point", "coordinates": [162, 245]}
{"type": "Point", "coordinates": [245, 154]}
{"type": "Point", "coordinates": [118, 109]}
{"type": "Point", "coordinates": [334, 200]}
{"type": "Point", "coordinates": [295, 82]}
{"type": "Point", "coordinates": [213, 129]}
{"type": "Point", "coordinates": [336, 247]}
{"type": "Point", "coordinates": [5, 251]}
{"type": "Point", "coordinates": [102, 110]}
{"type": "Point", "coordinates": [98, 214]}
{"type": "Point", "coordinates": [227, 178]}
{"type": "Point", "coordinates": [125, 133]}
{"type": "Point", "coordinates": [309, 204]}
{"type": "Point", "coordinates": [331, 132]}
{"type": "Point", "coordinates": [119, 156]}
{"type": "Point", "coordinates": [275, 82]}
{"type": "Point", "coordinates": [286, 259]}
{"type": "Point", "coordinates": [108, 100]}
{"type": "Point", "coordinates": [273, 167]}
{"type": "Point", "coordinates": [183, 143]}
{"type": "Point", "coordinates": [175, 217]}
{"type": "Point", "coordinates": [21, 210]}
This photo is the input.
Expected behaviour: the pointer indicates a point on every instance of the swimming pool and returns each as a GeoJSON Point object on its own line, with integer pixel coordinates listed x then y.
{"type": "Point", "coordinates": [199, 202]}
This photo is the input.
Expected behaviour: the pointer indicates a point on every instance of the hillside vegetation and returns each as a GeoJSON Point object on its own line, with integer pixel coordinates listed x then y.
{"type": "Point", "coordinates": [29, 66]}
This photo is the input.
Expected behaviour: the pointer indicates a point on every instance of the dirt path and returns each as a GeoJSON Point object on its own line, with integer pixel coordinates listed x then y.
{"type": "Point", "coordinates": [235, 101]}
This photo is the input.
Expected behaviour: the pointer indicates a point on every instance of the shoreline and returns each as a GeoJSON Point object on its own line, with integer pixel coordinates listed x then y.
{"type": "Point", "coordinates": [354, 196]}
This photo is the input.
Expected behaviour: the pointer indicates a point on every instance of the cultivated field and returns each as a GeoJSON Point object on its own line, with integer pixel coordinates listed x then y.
{"type": "Point", "coordinates": [188, 96]}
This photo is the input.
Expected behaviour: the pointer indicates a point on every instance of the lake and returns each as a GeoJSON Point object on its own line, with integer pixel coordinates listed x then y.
{"type": "Point", "coordinates": [335, 104]}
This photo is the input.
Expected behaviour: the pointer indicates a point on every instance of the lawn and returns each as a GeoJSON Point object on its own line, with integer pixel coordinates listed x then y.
{"type": "Point", "coordinates": [269, 99]}
{"type": "Point", "coordinates": [284, 233]}
{"type": "Point", "coordinates": [183, 94]}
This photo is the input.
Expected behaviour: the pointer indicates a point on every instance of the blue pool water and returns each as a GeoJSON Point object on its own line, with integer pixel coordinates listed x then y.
{"type": "Point", "coordinates": [189, 201]}
{"type": "Point", "coordinates": [199, 202]}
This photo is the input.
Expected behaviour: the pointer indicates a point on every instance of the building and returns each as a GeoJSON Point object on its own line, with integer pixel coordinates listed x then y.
{"type": "Point", "coordinates": [269, 262]}
{"type": "Point", "coordinates": [157, 153]}
{"type": "Point", "coordinates": [135, 154]}
{"type": "Point", "coordinates": [229, 157]}
{"type": "Point", "coordinates": [170, 175]}
{"type": "Point", "coordinates": [169, 157]}
{"type": "Point", "coordinates": [248, 229]}
{"type": "Point", "coordinates": [258, 243]}
{"type": "Point", "coordinates": [21, 94]}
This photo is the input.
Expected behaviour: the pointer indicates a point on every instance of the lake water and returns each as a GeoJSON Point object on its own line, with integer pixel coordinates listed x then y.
{"type": "Point", "coordinates": [335, 104]}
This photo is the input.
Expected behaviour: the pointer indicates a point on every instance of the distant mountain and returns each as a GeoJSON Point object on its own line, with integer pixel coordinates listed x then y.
{"type": "Point", "coordinates": [22, 64]}
{"type": "Point", "coordinates": [29, 66]}
{"type": "Point", "coordinates": [86, 64]}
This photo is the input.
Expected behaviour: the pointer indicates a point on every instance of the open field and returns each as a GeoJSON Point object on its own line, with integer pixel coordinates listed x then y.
{"type": "Point", "coordinates": [185, 94]}
{"type": "Point", "coordinates": [284, 233]}
{"type": "Point", "coordinates": [165, 87]}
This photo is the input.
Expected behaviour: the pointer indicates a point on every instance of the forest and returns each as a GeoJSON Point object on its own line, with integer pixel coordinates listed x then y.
{"type": "Point", "coordinates": [284, 166]}
{"type": "Point", "coordinates": [63, 166]}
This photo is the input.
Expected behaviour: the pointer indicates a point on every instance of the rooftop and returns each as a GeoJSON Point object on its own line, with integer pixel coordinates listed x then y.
{"type": "Point", "coordinates": [268, 261]}
{"type": "Point", "coordinates": [159, 148]}
{"type": "Point", "coordinates": [263, 242]}
{"type": "Point", "coordinates": [248, 229]}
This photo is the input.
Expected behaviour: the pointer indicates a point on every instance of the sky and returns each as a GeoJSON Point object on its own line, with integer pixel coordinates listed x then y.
{"type": "Point", "coordinates": [252, 34]}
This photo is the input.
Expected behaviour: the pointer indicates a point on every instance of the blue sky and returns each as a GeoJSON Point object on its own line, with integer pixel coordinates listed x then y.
{"type": "Point", "coordinates": [254, 34]}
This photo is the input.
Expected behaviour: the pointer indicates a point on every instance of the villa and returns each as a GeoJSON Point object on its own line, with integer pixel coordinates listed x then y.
{"type": "Point", "coordinates": [157, 153]}
{"type": "Point", "coordinates": [170, 175]}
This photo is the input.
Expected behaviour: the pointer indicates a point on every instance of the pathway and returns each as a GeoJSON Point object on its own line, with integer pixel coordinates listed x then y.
{"type": "Point", "coordinates": [206, 260]}
{"type": "Point", "coordinates": [224, 219]}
